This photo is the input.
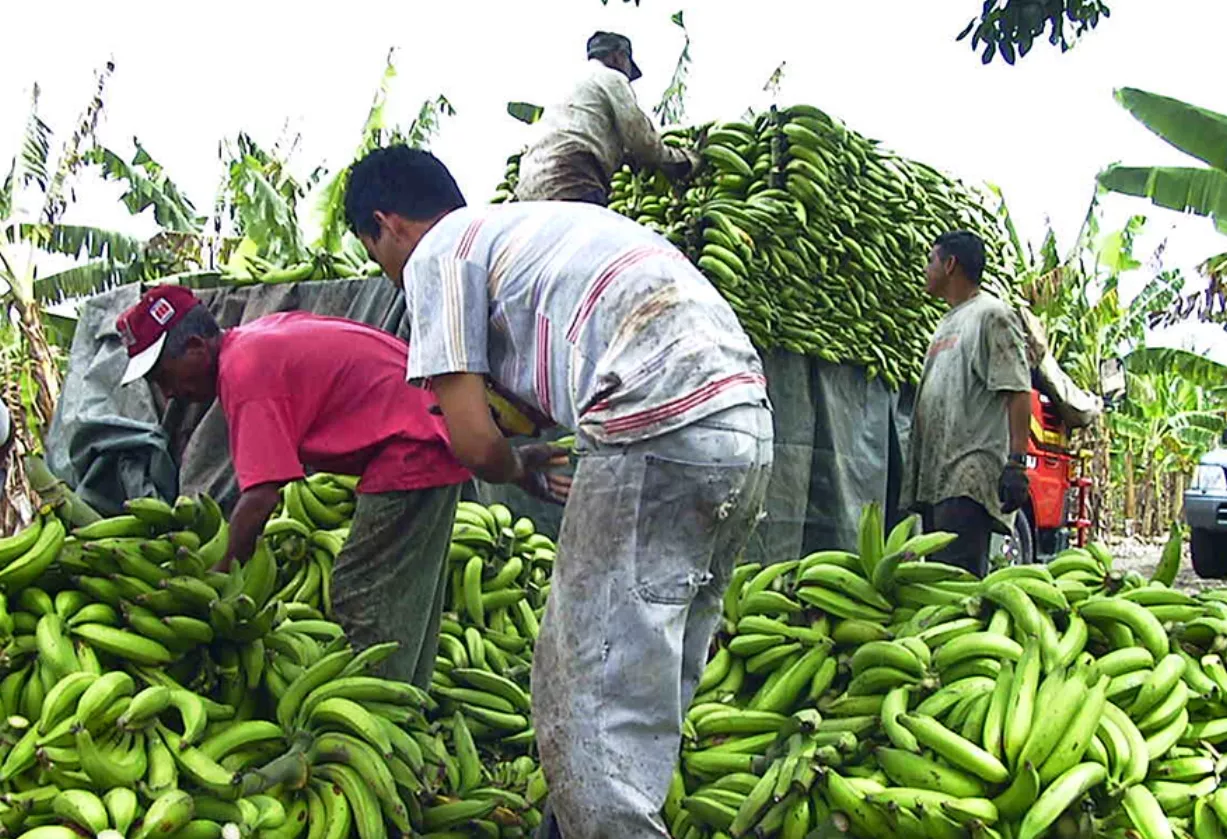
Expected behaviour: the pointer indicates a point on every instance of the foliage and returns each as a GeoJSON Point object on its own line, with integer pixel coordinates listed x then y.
{"type": "Point", "coordinates": [1009, 28]}
{"type": "Point", "coordinates": [671, 110]}
{"type": "Point", "coordinates": [1197, 132]}
{"type": "Point", "coordinates": [377, 131]}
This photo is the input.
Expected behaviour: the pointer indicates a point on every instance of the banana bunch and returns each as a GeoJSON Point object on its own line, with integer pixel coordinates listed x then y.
{"type": "Point", "coordinates": [816, 236]}
{"type": "Point", "coordinates": [876, 693]}
{"type": "Point", "coordinates": [144, 693]}
{"type": "Point", "coordinates": [350, 262]}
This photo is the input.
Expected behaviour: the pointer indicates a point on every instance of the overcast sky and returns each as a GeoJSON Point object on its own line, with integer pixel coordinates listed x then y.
{"type": "Point", "coordinates": [891, 69]}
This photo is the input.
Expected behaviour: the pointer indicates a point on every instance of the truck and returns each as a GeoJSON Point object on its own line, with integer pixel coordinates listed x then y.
{"type": "Point", "coordinates": [1057, 515]}
{"type": "Point", "coordinates": [1205, 512]}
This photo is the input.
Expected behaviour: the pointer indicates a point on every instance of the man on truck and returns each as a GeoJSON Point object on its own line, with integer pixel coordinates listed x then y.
{"type": "Point", "coordinates": [606, 328]}
{"type": "Point", "coordinates": [968, 445]}
{"type": "Point", "coordinates": [301, 389]}
{"type": "Point", "coordinates": [594, 130]}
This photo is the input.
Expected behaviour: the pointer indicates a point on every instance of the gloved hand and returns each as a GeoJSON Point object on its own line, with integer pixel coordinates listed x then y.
{"type": "Point", "coordinates": [536, 460]}
{"type": "Point", "coordinates": [1013, 487]}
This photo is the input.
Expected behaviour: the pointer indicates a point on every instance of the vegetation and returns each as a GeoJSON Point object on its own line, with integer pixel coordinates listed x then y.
{"type": "Point", "coordinates": [1010, 28]}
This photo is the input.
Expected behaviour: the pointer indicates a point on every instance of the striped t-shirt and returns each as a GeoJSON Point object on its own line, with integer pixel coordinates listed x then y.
{"type": "Point", "coordinates": [593, 320]}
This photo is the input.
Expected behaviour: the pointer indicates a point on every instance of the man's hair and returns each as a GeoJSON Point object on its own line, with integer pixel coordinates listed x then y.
{"type": "Point", "coordinates": [412, 183]}
{"type": "Point", "coordinates": [967, 249]}
{"type": "Point", "coordinates": [197, 323]}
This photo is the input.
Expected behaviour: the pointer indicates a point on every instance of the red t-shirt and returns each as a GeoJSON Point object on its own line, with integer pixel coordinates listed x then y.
{"type": "Point", "coordinates": [299, 388]}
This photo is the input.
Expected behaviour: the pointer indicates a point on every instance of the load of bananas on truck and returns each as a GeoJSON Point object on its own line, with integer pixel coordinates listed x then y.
{"type": "Point", "coordinates": [146, 696]}
{"type": "Point", "coordinates": [859, 693]}
{"type": "Point", "coordinates": [816, 235]}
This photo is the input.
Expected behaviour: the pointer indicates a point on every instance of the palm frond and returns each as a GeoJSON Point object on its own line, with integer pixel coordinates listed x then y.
{"type": "Point", "coordinates": [91, 277]}
{"type": "Point", "coordinates": [79, 240]}
{"type": "Point", "coordinates": [147, 186]}
{"type": "Point", "coordinates": [1199, 191]}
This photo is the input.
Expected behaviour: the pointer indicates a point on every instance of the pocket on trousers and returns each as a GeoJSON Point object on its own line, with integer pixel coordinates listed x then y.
{"type": "Point", "coordinates": [680, 510]}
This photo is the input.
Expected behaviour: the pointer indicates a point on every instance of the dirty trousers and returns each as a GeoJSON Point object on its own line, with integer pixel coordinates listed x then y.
{"type": "Point", "coordinates": [648, 542]}
{"type": "Point", "coordinates": [390, 577]}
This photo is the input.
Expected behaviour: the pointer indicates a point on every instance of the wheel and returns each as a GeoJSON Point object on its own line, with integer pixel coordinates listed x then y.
{"type": "Point", "coordinates": [1209, 551]}
{"type": "Point", "coordinates": [1020, 545]}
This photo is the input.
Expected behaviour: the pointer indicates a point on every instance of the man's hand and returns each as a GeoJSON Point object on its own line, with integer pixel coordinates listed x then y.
{"type": "Point", "coordinates": [535, 460]}
{"type": "Point", "coordinates": [1013, 487]}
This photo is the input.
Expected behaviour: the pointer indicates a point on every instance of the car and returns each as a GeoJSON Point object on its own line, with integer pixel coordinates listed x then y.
{"type": "Point", "coordinates": [1205, 511]}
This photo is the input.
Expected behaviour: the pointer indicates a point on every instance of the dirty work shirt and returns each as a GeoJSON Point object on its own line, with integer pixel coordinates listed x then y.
{"type": "Point", "coordinates": [591, 319]}
{"type": "Point", "coordinates": [298, 388]}
{"type": "Point", "coordinates": [960, 429]}
{"type": "Point", "coordinates": [584, 139]}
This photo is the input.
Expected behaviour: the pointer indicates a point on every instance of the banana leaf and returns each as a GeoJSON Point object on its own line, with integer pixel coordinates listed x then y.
{"type": "Point", "coordinates": [1195, 131]}
{"type": "Point", "coordinates": [1193, 368]}
{"type": "Point", "coordinates": [1199, 191]}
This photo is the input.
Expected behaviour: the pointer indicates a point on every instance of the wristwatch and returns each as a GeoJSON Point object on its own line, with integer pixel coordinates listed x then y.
{"type": "Point", "coordinates": [1020, 459]}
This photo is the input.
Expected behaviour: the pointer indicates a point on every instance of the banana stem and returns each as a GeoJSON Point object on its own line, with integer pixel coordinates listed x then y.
{"type": "Point", "coordinates": [57, 493]}
{"type": "Point", "coordinates": [291, 770]}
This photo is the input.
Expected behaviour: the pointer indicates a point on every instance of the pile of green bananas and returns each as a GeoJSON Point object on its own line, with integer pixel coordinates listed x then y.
{"type": "Point", "coordinates": [144, 693]}
{"type": "Point", "coordinates": [874, 693]}
{"type": "Point", "coordinates": [349, 262]}
{"type": "Point", "coordinates": [817, 236]}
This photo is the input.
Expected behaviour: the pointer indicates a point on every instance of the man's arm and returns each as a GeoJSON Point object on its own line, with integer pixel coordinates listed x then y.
{"type": "Point", "coordinates": [476, 440]}
{"type": "Point", "coordinates": [480, 446]}
{"type": "Point", "coordinates": [640, 139]}
{"type": "Point", "coordinates": [1019, 407]}
{"type": "Point", "coordinates": [247, 521]}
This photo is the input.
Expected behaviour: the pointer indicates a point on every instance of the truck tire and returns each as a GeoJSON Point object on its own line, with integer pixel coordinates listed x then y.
{"type": "Point", "coordinates": [1022, 540]}
{"type": "Point", "coordinates": [1209, 552]}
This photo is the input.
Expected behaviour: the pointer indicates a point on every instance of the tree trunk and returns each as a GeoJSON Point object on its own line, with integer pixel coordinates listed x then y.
{"type": "Point", "coordinates": [44, 370]}
{"type": "Point", "coordinates": [1131, 497]}
{"type": "Point", "coordinates": [1178, 495]}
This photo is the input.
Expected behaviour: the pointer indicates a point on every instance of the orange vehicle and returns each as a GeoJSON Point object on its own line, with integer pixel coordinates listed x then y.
{"type": "Point", "coordinates": [1056, 515]}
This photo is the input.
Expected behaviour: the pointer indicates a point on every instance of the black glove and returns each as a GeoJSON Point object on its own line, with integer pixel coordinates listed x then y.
{"type": "Point", "coordinates": [536, 459]}
{"type": "Point", "coordinates": [1013, 487]}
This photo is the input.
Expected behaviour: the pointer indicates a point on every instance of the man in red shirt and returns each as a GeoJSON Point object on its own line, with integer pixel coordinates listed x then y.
{"type": "Point", "coordinates": [298, 390]}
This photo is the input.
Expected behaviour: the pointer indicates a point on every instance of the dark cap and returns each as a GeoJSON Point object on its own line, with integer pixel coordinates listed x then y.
{"type": "Point", "coordinates": [604, 43]}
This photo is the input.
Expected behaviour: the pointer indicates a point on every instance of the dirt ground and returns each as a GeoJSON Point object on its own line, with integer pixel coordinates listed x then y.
{"type": "Point", "coordinates": [1143, 556]}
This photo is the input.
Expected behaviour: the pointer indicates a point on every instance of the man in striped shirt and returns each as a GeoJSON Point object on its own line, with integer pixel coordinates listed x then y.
{"type": "Point", "coordinates": [605, 328]}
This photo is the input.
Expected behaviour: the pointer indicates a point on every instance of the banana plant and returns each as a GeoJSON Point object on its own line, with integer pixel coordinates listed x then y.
{"type": "Point", "coordinates": [377, 131]}
{"type": "Point", "coordinates": [1199, 133]}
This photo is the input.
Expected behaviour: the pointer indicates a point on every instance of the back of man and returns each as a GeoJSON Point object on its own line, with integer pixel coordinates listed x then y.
{"type": "Point", "coordinates": [596, 128]}
{"type": "Point", "coordinates": [605, 327]}
{"type": "Point", "coordinates": [972, 410]}
{"type": "Point", "coordinates": [595, 321]}
{"type": "Point", "coordinates": [336, 391]}
{"type": "Point", "coordinates": [301, 389]}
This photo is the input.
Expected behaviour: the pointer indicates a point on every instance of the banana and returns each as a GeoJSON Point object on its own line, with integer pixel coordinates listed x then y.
{"type": "Point", "coordinates": [30, 565]}
{"type": "Point", "coordinates": [345, 714]}
{"type": "Point", "coordinates": [1137, 618]}
{"type": "Point", "coordinates": [1064, 791]}
{"type": "Point", "coordinates": [82, 808]}
{"type": "Point", "coordinates": [118, 762]}
{"type": "Point", "coordinates": [121, 805]}
{"type": "Point", "coordinates": [960, 752]}
{"type": "Point", "coordinates": [1020, 704]}
{"type": "Point", "coordinates": [1073, 743]}
{"type": "Point", "coordinates": [365, 807]}
{"type": "Point", "coordinates": [61, 701]}
{"type": "Point", "coordinates": [976, 645]}
{"type": "Point", "coordinates": [205, 771]}
{"type": "Point", "coordinates": [101, 693]}
{"type": "Point", "coordinates": [123, 644]}
{"type": "Point", "coordinates": [167, 815]}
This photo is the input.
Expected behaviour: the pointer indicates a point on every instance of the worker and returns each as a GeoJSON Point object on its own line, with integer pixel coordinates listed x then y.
{"type": "Point", "coordinates": [594, 130]}
{"type": "Point", "coordinates": [606, 328]}
{"type": "Point", "coordinates": [968, 444]}
{"type": "Point", "coordinates": [301, 390]}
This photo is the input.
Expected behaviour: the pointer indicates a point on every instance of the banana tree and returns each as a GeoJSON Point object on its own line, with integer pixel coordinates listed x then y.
{"type": "Point", "coordinates": [1199, 133]}
{"type": "Point", "coordinates": [1171, 418]}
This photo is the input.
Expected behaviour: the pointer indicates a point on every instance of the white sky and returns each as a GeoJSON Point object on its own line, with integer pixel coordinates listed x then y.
{"type": "Point", "coordinates": [891, 69]}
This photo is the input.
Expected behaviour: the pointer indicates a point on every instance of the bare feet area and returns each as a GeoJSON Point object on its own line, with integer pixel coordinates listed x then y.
{"type": "Point", "coordinates": [1143, 555]}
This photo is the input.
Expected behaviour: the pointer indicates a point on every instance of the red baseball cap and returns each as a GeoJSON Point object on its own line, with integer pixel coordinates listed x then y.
{"type": "Point", "coordinates": [143, 327]}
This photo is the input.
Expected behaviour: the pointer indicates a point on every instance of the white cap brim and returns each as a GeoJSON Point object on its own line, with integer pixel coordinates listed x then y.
{"type": "Point", "coordinates": [140, 364]}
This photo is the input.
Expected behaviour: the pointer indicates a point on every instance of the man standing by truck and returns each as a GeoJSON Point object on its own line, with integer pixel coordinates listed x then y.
{"type": "Point", "coordinates": [968, 445]}
{"type": "Point", "coordinates": [597, 128]}
{"type": "Point", "coordinates": [299, 388]}
{"type": "Point", "coordinates": [606, 328]}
